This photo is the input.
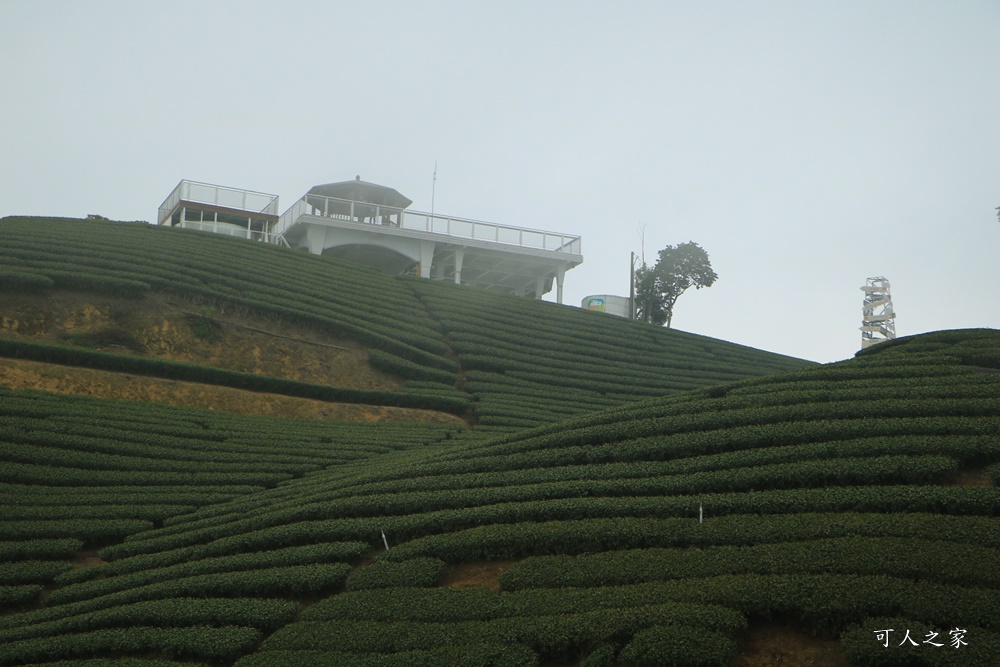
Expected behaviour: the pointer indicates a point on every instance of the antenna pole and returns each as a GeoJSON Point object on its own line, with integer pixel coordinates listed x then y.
{"type": "Point", "coordinates": [631, 288]}
{"type": "Point", "coordinates": [434, 186]}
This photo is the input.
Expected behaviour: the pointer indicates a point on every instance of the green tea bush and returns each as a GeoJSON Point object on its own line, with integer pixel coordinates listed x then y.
{"type": "Point", "coordinates": [264, 560]}
{"type": "Point", "coordinates": [679, 645]}
{"type": "Point", "coordinates": [39, 549]}
{"type": "Point", "coordinates": [464, 655]}
{"type": "Point", "coordinates": [292, 581]}
{"type": "Point", "coordinates": [408, 369]}
{"type": "Point", "coordinates": [922, 560]}
{"type": "Point", "coordinates": [444, 605]}
{"type": "Point", "coordinates": [15, 280]}
{"type": "Point", "coordinates": [89, 531]}
{"type": "Point", "coordinates": [557, 636]}
{"type": "Point", "coordinates": [16, 596]}
{"type": "Point", "coordinates": [226, 643]}
{"type": "Point", "coordinates": [265, 615]}
{"type": "Point", "coordinates": [31, 572]}
{"type": "Point", "coordinates": [602, 656]}
{"type": "Point", "coordinates": [993, 472]}
{"type": "Point", "coordinates": [419, 572]}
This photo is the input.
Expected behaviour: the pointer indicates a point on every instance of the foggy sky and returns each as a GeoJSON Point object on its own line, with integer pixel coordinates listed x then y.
{"type": "Point", "coordinates": [805, 145]}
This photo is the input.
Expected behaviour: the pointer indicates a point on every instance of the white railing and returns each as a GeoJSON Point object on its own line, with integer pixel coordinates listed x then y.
{"type": "Point", "coordinates": [218, 195]}
{"type": "Point", "coordinates": [365, 213]}
{"type": "Point", "coordinates": [231, 230]}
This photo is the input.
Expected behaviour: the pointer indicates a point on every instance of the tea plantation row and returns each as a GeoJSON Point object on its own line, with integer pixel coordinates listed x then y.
{"type": "Point", "coordinates": [835, 498]}
{"type": "Point", "coordinates": [528, 363]}
{"type": "Point", "coordinates": [79, 473]}
{"type": "Point", "coordinates": [787, 495]}
{"type": "Point", "coordinates": [523, 362]}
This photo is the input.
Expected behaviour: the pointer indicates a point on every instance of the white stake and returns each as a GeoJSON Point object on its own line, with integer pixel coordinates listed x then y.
{"type": "Point", "coordinates": [700, 515]}
{"type": "Point", "coordinates": [385, 541]}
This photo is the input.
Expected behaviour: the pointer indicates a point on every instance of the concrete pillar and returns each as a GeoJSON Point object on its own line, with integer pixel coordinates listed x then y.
{"type": "Point", "coordinates": [426, 258]}
{"type": "Point", "coordinates": [560, 274]}
{"type": "Point", "coordinates": [316, 238]}
{"type": "Point", "coordinates": [438, 271]}
{"type": "Point", "coordinates": [459, 258]}
{"type": "Point", "coordinates": [539, 286]}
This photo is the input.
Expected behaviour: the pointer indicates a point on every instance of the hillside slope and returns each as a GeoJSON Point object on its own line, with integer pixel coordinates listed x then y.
{"type": "Point", "coordinates": [531, 362]}
{"type": "Point", "coordinates": [839, 501]}
{"type": "Point", "coordinates": [163, 326]}
{"type": "Point", "coordinates": [152, 295]}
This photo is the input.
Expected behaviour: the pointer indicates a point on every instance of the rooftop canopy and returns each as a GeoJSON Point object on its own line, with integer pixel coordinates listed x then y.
{"type": "Point", "coordinates": [360, 191]}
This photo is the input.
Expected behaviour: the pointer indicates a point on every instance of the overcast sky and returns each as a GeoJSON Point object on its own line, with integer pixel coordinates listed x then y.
{"type": "Point", "coordinates": [804, 145]}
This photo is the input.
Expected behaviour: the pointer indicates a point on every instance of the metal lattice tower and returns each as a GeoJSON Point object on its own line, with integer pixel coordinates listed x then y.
{"type": "Point", "coordinates": [878, 320]}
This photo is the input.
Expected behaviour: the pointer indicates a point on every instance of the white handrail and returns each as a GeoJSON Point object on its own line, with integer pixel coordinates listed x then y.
{"type": "Point", "coordinates": [233, 230]}
{"type": "Point", "coordinates": [361, 212]}
{"type": "Point", "coordinates": [218, 195]}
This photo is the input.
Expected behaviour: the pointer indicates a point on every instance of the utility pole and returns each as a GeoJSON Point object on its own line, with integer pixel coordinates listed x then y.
{"type": "Point", "coordinates": [434, 181]}
{"type": "Point", "coordinates": [631, 288]}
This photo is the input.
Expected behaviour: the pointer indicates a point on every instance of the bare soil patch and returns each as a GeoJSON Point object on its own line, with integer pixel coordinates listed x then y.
{"type": "Point", "coordinates": [21, 374]}
{"type": "Point", "coordinates": [972, 477]}
{"type": "Point", "coordinates": [771, 644]}
{"type": "Point", "coordinates": [88, 559]}
{"type": "Point", "coordinates": [172, 327]}
{"type": "Point", "coordinates": [483, 573]}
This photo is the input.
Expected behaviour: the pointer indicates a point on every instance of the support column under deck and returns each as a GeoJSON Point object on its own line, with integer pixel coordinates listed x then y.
{"type": "Point", "coordinates": [316, 239]}
{"type": "Point", "coordinates": [426, 258]}
{"type": "Point", "coordinates": [493, 265]}
{"type": "Point", "coordinates": [459, 257]}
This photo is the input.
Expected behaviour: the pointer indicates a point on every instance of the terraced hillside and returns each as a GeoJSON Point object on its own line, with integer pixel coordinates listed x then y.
{"type": "Point", "coordinates": [620, 495]}
{"type": "Point", "coordinates": [545, 363]}
{"type": "Point", "coordinates": [129, 260]}
{"type": "Point", "coordinates": [529, 363]}
{"type": "Point", "coordinates": [842, 501]}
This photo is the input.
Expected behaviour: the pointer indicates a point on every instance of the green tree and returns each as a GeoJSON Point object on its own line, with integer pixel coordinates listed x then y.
{"type": "Point", "coordinates": [658, 287]}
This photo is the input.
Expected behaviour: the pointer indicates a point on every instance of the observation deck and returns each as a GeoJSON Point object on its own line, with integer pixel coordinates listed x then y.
{"type": "Point", "coordinates": [372, 226]}
{"type": "Point", "coordinates": [488, 255]}
{"type": "Point", "coordinates": [223, 210]}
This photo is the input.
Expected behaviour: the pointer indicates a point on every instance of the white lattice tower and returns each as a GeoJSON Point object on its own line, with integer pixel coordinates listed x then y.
{"type": "Point", "coordinates": [877, 319]}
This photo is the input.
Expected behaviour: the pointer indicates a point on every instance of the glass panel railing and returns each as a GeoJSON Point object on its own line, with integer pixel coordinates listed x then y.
{"type": "Point", "coordinates": [367, 213]}
{"type": "Point", "coordinates": [533, 239]}
{"type": "Point", "coordinates": [463, 228]}
{"type": "Point", "coordinates": [510, 236]}
{"type": "Point", "coordinates": [201, 192]}
{"type": "Point", "coordinates": [484, 231]}
{"type": "Point", "coordinates": [218, 195]}
{"type": "Point", "coordinates": [230, 198]}
{"type": "Point", "coordinates": [262, 203]}
{"type": "Point", "coordinates": [231, 230]}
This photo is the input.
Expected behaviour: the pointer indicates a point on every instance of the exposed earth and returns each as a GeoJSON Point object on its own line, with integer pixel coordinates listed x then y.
{"type": "Point", "coordinates": [171, 327]}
